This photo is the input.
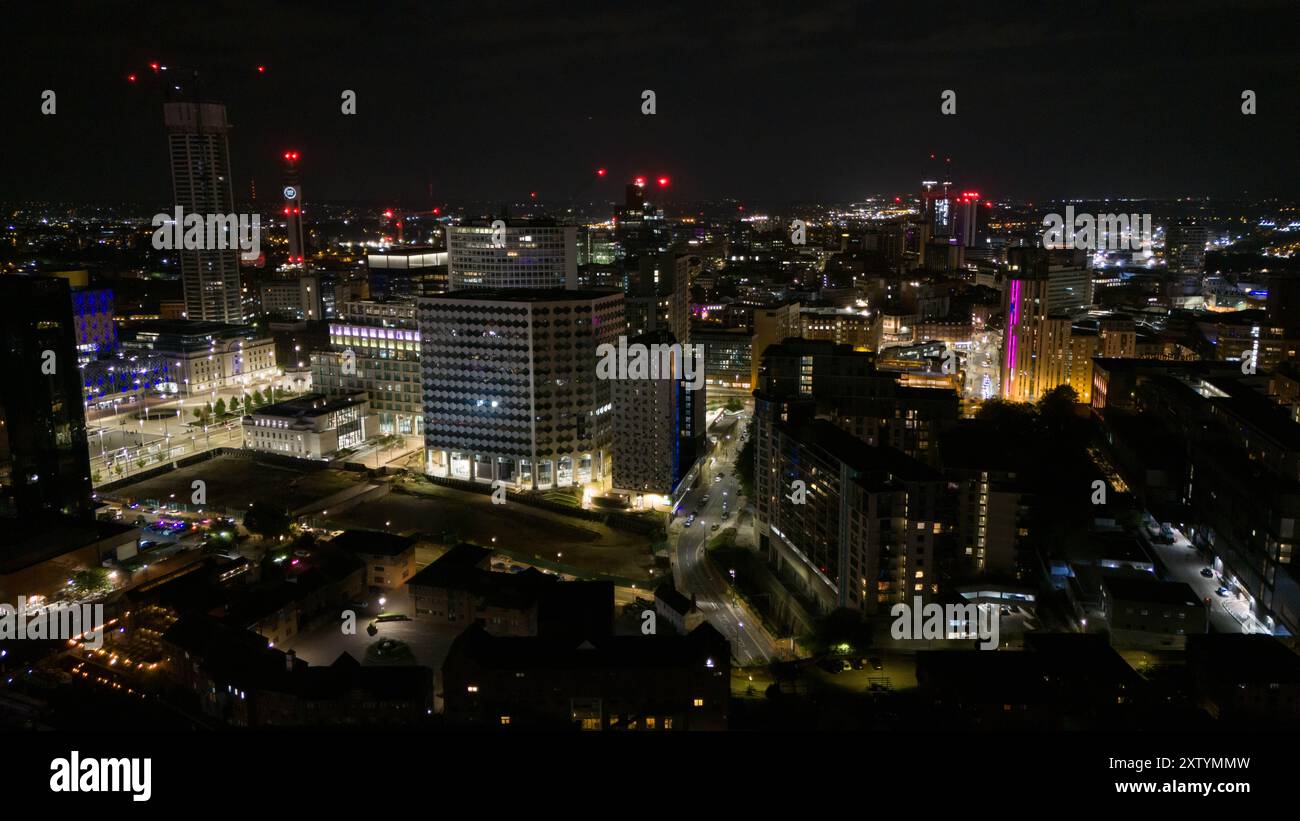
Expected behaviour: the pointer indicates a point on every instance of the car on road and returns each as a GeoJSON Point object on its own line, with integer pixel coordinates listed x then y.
{"type": "Point", "coordinates": [715, 527]}
{"type": "Point", "coordinates": [832, 666]}
{"type": "Point", "coordinates": [1222, 592]}
{"type": "Point", "coordinates": [859, 664]}
{"type": "Point", "coordinates": [725, 515]}
{"type": "Point", "coordinates": [717, 478]}
{"type": "Point", "coordinates": [875, 663]}
{"type": "Point", "coordinates": [705, 500]}
{"type": "Point", "coordinates": [689, 522]}
{"type": "Point", "coordinates": [1207, 572]}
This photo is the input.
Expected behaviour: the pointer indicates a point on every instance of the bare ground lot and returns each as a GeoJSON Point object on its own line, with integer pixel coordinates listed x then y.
{"type": "Point", "coordinates": [524, 532]}
{"type": "Point", "coordinates": [521, 531]}
{"type": "Point", "coordinates": [233, 484]}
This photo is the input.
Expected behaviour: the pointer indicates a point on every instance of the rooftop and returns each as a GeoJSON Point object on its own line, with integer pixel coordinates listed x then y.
{"type": "Point", "coordinates": [522, 295]}
{"type": "Point", "coordinates": [372, 542]}
{"type": "Point", "coordinates": [310, 404]}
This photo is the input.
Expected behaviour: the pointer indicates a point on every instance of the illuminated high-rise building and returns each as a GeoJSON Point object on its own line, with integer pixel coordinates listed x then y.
{"type": "Point", "coordinates": [199, 149]}
{"type": "Point", "coordinates": [292, 192]}
{"type": "Point", "coordinates": [512, 253]}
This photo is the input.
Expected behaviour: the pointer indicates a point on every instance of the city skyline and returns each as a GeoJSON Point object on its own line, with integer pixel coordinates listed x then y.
{"type": "Point", "coordinates": [410, 373]}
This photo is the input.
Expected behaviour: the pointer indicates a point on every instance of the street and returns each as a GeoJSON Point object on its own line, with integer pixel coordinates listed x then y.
{"type": "Point", "coordinates": [694, 575]}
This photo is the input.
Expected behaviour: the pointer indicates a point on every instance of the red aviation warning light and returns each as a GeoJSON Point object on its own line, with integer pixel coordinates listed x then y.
{"type": "Point", "coordinates": [388, 213]}
{"type": "Point", "coordinates": [640, 181]}
{"type": "Point", "coordinates": [663, 182]}
{"type": "Point", "coordinates": [971, 195]}
{"type": "Point", "coordinates": [600, 172]}
{"type": "Point", "coordinates": [261, 69]}
{"type": "Point", "coordinates": [130, 78]}
{"type": "Point", "coordinates": [154, 66]}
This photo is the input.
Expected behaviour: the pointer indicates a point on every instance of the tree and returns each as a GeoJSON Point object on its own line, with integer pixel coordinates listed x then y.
{"type": "Point", "coordinates": [839, 629]}
{"type": "Point", "coordinates": [91, 580]}
{"type": "Point", "coordinates": [220, 408]}
{"type": "Point", "coordinates": [734, 404]}
{"type": "Point", "coordinates": [199, 414]}
{"type": "Point", "coordinates": [267, 520]}
{"type": "Point", "coordinates": [258, 399]}
{"type": "Point", "coordinates": [745, 462]}
{"type": "Point", "coordinates": [234, 404]}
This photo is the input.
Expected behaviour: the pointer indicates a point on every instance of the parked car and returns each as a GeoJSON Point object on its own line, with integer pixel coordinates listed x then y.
{"type": "Point", "coordinates": [831, 666]}
{"type": "Point", "coordinates": [1222, 592]}
{"type": "Point", "coordinates": [1207, 572]}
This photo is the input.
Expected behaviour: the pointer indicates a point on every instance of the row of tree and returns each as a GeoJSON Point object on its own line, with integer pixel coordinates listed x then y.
{"type": "Point", "coordinates": [220, 410]}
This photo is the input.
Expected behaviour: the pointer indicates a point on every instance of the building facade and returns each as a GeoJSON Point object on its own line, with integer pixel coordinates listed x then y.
{"type": "Point", "coordinates": [199, 150]}
{"type": "Point", "coordinates": [203, 357]}
{"type": "Point", "coordinates": [375, 347]}
{"type": "Point", "coordinates": [312, 426]}
{"type": "Point", "coordinates": [510, 386]}
{"type": "Point", "coordinates": [523, 254]}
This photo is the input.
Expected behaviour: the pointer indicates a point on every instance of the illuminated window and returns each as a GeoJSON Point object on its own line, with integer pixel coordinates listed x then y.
{"type": "Point", "coordinates": [505, 719]}
{"type": "Point", "coordinates": [473, 688]}
{"type": "Point", "coordinates": [699, 702]}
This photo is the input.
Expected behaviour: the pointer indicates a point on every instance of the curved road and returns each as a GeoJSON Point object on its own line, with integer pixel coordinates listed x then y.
{"type": "Point", "coordinates": [694, 575]}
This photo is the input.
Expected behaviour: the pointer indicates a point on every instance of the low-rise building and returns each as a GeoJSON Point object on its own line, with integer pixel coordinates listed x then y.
{"type": "Point", "coordinates": [202, 357]}
{"type": "Point", "coordinates": [1150, 612]}
{"type": "Point", "coordinates": [312, 426]}
{"type": "Point", "coordinates": [655, 682]}
{"type": "Point", "coordinates": [389, 558]}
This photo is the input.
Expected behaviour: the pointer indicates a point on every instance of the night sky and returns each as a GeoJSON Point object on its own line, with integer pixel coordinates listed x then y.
{"type": "Point", "coordinates": [799, 101]}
